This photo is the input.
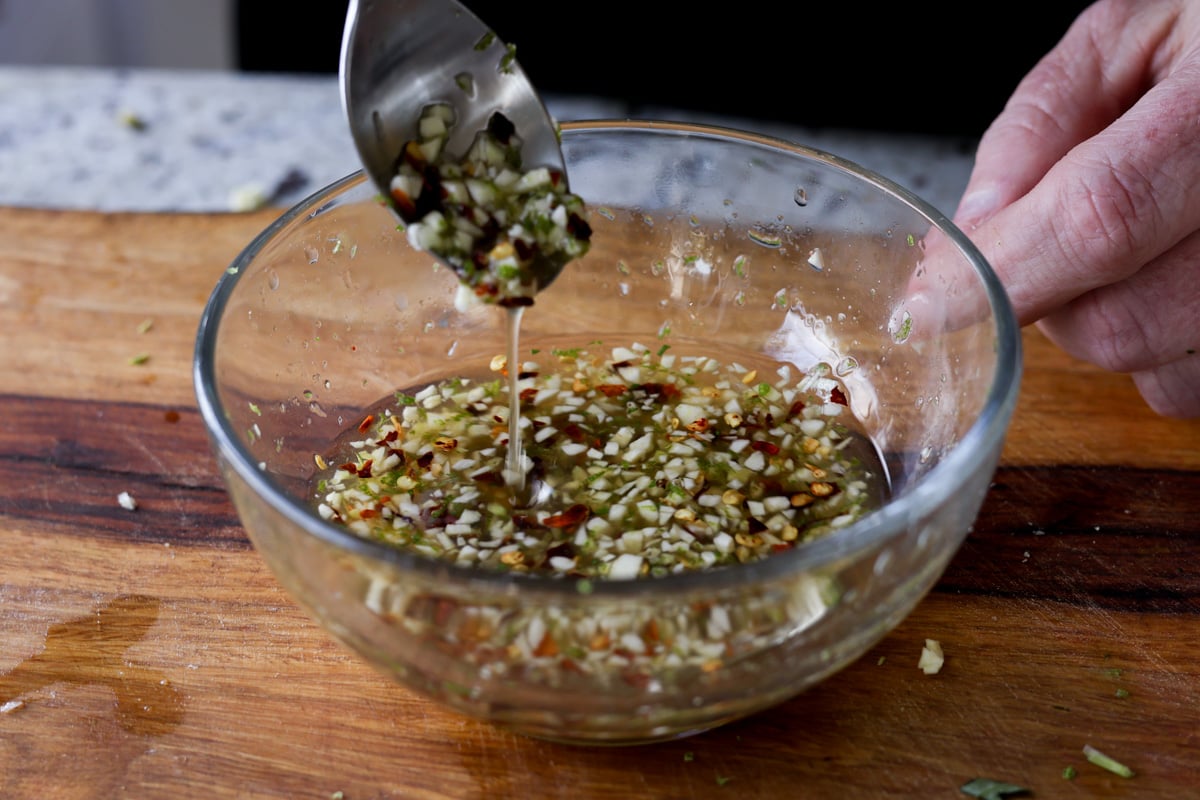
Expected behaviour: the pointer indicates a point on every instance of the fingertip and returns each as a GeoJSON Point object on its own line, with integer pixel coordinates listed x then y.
{"type": "Point", "coordinates": [977, 206]}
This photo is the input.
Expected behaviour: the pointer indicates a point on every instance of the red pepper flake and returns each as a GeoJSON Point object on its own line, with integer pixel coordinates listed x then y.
{"type": "Point", "coordinates": [667, 391]}
{"type": "Point", "coordinates": [404, 204]}
{"type": "Point", "coordinates": [571, 516]}
{"type": "Point", "coordinates": [491, 477]}
{"type": "Point", "coordinates": [638, 680]}
{"type": "Point", "coordinates": [838, 396]}
{"type": "Point", "coordinates": [365, 470]}
{"type": "Point", "coordinates": [366, 423]}
{"type": "Point", "coordinates": [770, 448]}
{"type": "Point", "coordinates": [546, 648]}
{"type": "Point", "coordinates": [611, 389]}
{"type": "Point", "coordinates": [369, 513]}
{"type": "Point", "coordinates": [511, 302]}
{"type": "Point", "coordinates": [525, 522]}
{"type": "Point", "coordinates": [528, 394]}
{"type": "Point", "coordinates": [650, 634]}
{"type": "Point", "coordinates": [796, 408]}
{"type": "Point", "coordinates": [443, 610]}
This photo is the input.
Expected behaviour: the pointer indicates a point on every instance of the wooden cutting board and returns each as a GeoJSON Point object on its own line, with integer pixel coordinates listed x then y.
{"type": "Point", "coordinates": [151, 654]}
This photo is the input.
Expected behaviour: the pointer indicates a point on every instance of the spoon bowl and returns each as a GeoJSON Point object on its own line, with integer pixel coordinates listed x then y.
{"type": "Point", "coordinates": [399, 57]}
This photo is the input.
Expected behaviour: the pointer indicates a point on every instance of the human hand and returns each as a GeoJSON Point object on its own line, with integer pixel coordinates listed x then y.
{"type": "Point", "coordinates": [1085, 196]}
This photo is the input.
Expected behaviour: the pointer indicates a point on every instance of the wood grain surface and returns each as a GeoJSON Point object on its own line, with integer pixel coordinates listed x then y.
{"type": "Point", "coordinates": [151, 654]}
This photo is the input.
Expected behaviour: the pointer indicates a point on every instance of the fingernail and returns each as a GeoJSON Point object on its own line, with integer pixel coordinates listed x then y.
{"type": "Point", "coordinates": [976, 207]}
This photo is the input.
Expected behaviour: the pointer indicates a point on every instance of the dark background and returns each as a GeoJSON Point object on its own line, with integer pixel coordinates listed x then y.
{"type": "Point", "coordinates": [900, 67]}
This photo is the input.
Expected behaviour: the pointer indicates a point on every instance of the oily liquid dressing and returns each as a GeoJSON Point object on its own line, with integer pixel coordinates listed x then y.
{"type": "Point", "coordinates": [528, 478]}
{"type": "Point", "coordinates": [514, 472]}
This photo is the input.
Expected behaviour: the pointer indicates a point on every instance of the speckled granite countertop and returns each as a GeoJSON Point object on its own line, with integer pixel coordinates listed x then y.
{"type": "Point", "coordinates": [196, 141]}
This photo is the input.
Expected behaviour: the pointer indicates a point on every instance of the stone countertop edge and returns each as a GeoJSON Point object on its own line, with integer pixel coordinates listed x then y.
{"type": "Point", "coordinates": [217, 141]}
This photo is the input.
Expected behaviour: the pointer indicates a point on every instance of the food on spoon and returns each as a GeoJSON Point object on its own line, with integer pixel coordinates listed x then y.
{"type": "Point", "coordinates": [499, 225]}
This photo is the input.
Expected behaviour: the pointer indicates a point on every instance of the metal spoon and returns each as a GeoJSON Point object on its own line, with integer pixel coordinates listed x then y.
{"type": "Point", "coordinates": [399, 56]}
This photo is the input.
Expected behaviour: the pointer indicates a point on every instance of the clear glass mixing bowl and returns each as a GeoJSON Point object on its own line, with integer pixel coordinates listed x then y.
{"type": "Point", "coordinates": [732, 242]}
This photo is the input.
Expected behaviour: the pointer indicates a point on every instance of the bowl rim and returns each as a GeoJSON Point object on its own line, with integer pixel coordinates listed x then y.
{"type": "Point", "coordinates": [985, 433]}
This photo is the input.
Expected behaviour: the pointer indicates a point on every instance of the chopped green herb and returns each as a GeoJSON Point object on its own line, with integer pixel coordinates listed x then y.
{"type": "Point", "coordinates": [1069, 773]}
{"type": "Point", "coordinates": [1112, 672]}
{"type": "Point", "coordinates": [988, 789]}
{"type": "Point", "coordinates": [510, 58]}
{"type": "Point", "coordinates": [689, 756]}
{"type": "Point", "coordinates": [257, 411]}
{"type": "Point", "coordinates": [1122, 693]}
{"type": "Point", "coordinates": [139, 359]}
{"type": "Point", "coordinates": [145, 325]}
{"type": "Point", "coordinates": [882, 659]}
{"type": "Point", "coordinates": [664, 349]}
{"type": "Point", "coordinates": [722, 780]}
{"type": "Point", "coordinates": [739, 266]}
{"type": "Point", "coordinates": [1105, 762]}
{"type": "Point", "coordinates": [131, 120]}
{"type": "Point", "coordinates": [911, 240]}
{"type": "Point", "coordinates": [485, 41]}
{"type": "Point", "coordinates": [765, 239]}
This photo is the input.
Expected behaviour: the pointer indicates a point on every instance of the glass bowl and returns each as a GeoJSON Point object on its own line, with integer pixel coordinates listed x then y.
{"type": "Point", "coordinates": [709, 240]}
